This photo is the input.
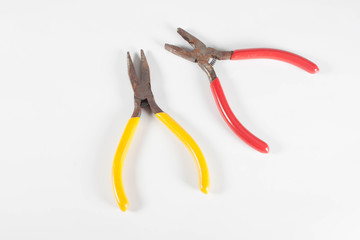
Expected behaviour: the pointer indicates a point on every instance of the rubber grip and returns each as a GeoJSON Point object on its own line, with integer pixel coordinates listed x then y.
{"type": "Point", "coordinates": [118, 164]}
{"type": "Point", "coordinates": [232, 121]}
{"type": "Point", "coordinates": [204, 180]}
{"type": "Point", "coordinates": [269, 53]}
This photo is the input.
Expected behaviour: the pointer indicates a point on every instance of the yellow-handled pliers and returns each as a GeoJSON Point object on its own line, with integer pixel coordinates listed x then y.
{"type": "Point", "coordinates": [144, 98]}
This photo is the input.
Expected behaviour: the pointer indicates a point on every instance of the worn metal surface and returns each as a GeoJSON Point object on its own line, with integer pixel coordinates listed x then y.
{"type": "Point", "coordinates": [201, 54]}
{"type": "Point", "coordinates": [143, 96]}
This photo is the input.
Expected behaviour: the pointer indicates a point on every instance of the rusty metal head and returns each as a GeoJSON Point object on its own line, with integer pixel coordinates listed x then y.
{"type": "Point", "coordinates": [201, 54]}
{"type": "Point", "coordinates": [142, 88]}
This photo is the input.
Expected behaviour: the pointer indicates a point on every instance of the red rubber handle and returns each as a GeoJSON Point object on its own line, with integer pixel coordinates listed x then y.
{"type": "Point", "coordinates": [232, 121]}
{"type": "Point", "coordinates": [275, 54]}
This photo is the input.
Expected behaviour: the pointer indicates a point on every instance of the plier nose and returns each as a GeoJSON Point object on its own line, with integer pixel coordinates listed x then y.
{"type": "Point", "coordinates": [206, 58]}
{"type": "Point", "coordinates": [143, 95]}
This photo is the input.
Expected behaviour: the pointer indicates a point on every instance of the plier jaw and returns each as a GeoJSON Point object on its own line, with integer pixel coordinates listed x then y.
{"type": "Point", "coordinates": [199, 56]}
{"type": "Point", "coordinates": [181, 52]}
{"type": "Point", "coordinates": [143, 96]}
{"type": "Point", "coordinates": [204, 56]}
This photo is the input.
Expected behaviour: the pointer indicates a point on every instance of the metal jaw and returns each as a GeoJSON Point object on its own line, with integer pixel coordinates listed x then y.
{"type": "Point", "coordinates": [143, 95]}
{"type": "Point", "coordinates": [202, 55]}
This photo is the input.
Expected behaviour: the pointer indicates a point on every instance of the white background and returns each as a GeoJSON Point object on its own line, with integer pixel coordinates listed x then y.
{"type": "Point", "coordinates": [65, 99]}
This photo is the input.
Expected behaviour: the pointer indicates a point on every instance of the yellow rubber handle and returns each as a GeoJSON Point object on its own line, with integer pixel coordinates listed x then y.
{"type": "Point", "coordinates": [118, 163]}
{"type": "Point", "coordinates": [189, 142]}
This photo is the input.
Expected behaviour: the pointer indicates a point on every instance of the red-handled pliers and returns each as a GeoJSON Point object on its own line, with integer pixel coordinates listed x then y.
{"type": "Point", "coordinates": [206, 58]}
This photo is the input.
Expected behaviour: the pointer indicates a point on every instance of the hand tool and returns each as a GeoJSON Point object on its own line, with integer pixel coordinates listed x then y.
{"type": "Point", "coordinates": [206, 57]}
{"type": "Point", "coordinates": [143, 99]}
